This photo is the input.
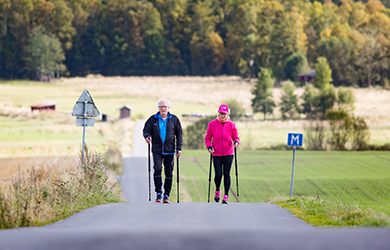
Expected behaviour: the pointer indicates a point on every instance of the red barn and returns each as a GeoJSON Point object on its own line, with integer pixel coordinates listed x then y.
{"type": "Point", "coordinates": [44, 106]}
{"type": "Point", "coordinates": [307, 77]}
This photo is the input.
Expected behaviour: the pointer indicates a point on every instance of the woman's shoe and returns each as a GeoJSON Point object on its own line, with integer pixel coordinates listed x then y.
{"type": "Point", "coordinates": [225, 199]}
{"type": "Point", "coordinates": [217, 197]}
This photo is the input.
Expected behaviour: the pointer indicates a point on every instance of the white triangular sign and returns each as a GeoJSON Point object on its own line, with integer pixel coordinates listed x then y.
{"type": "Point", "coordinates": [85, 105]}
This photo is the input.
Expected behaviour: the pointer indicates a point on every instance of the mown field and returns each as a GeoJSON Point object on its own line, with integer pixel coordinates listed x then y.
{"type": "Point", "coordinates": [353, 177]}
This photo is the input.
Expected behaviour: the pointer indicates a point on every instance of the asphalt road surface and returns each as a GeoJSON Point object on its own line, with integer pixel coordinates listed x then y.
{"type": "Point", "coordinates": [140, 224]}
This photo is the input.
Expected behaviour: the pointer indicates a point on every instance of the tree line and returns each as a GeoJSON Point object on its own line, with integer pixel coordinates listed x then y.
{"type": "Point", "coordinates": [322, 106]}
{"type": "Point", "coordinates": [331, 122]}
{"type": "Point", "coordinates": [195, 37]}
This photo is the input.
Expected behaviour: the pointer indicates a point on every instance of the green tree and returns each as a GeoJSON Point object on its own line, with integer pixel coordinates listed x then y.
{"type": "Point", "coordinates": [315, 134]}
{"type": "Point", "coordinates": [170, 12]}
{"type": "Point", "coordinates": [194, 134]}
{"type": "Point", "coordinates": [345, 99]}
{"type": "Point", "coordinates": [61, 24]}
{"type": "Point", "coordinates": [370, 59]}
{"type": "Point", "coordinates": [263, 102]}
{"type": "Point", "coordinates": [5, 9]}
{"type": "Point", "coordinates": [353, 13]}
{"type": "Point", "coordinates": [341, 125]}
{"type": "Point", "coordinates": [289, 106]}
{"type": "Point", "coordinates": [294, 65]}
{"type": "Point", "coordinates": [323, 76]}
{"type": "Point", "coordinates": [206, 45]}
{"type": "Point", "coordinates": [275, 33]}
{"type": "Point", "coordinates": [326, 99]}
{"type": "Point", "coordinates": [360, 134]}
{"type": "Point", "coordinates": [244, 68]}
{"type": "Point", "coordinates": [317, 101]}
{"type": "Point", "coordinates": [340, 65]}
{"type": "Point", "coordinates": [320, 96]}
{"type": "Point", "coordinates": [321, 18]}
{"type": "Point", "coordinates": [240, 35]}
{"type": "Point", "coordinates": [236, 109]}
{"type": "Point", "coordinates": [44, 54]}
{"type": "Point", "coordinates": [310, 99]}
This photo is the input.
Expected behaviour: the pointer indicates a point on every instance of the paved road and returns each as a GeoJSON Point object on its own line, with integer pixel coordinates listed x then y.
{"type": "Point", "coordinates": [140, 224]}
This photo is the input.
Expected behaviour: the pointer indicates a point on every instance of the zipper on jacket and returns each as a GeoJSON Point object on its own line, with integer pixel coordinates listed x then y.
{"type": "Point", "coordinates": [223, 128]}
{"type": "Point", "coordinates": [159, 134]}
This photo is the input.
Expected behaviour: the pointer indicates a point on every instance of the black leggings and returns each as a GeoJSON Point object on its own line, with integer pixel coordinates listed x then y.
{"type": "Point", "coordinates": [226, 162]}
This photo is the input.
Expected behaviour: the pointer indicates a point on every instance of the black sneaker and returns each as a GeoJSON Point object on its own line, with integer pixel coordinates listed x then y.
{"type": "Point", "coordinates": [158, 197]}
{"type": "Point", "coordinates": [166, 199]}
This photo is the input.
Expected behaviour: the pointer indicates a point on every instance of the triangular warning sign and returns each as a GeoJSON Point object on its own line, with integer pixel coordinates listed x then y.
{"type": "Point", "coordinates": [85, 106]}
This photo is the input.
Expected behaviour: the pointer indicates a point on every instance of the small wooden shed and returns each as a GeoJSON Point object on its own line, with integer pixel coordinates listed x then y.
{"type": "Point", "coordinates": [44, 106]}
{"type": "Point", "coordinates": [307, 77]}
{"type": "Point", "coordinates": [125, 111]}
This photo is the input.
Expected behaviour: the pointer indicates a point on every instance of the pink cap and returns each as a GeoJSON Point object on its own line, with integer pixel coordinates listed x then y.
{"type": "Point", "coordinates": [223, 109]}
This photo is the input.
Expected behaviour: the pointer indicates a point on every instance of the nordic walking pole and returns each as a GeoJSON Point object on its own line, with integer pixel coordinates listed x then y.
{"type": "Point", "coordinates": [211, 162]}
{"type": "Point", "coordinates": [178, 179]}
{"type": "Point", "coordinates": [149, 169]}
{"type": "Point", "coordinates": [235, 161]}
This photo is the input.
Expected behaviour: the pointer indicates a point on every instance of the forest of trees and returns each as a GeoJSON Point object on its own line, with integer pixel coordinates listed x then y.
{"type": "Point", "coordinates": [195, 37]}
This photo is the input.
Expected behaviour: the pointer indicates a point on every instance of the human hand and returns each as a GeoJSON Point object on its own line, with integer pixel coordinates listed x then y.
{"type": "Point", "coordinates": [178, 153]}
{"type": "Point", "coordinates": [148, 140]}
{"type": "Point", "coordinates": [211, 150]}
{"type": "Point", "coordinates": [236, 144]}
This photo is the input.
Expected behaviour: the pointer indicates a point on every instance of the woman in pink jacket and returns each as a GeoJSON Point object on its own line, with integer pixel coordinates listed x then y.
{"type": "Point", "coordinates": [221, 138]}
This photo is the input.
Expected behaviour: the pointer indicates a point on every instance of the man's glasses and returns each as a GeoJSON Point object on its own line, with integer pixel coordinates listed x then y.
{"type": "Point", "coordinates": [162, 107]}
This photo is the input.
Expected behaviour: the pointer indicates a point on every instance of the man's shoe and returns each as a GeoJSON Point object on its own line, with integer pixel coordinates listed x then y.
{"type": "Point", "coordinates": [166, 199]}
{"type": "Point", "coordinates": [225, 199]}
{"type": "Point", "coordinates": [158, 198]}
{"type": "Point", "coordinates": [217, 197]}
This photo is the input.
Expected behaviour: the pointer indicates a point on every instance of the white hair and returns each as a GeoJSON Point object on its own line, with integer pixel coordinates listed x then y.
{"type": "Point", "coordinates": [163, 100]}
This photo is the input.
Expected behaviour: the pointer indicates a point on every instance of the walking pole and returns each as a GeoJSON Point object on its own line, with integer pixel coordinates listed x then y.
{"type": "Point", "coordinates": [178, 180]}
{"type": "Point", "coordinates": [149, 170]}
{"type": "Point", "coordinates": [235, 161]}
{"type": "Point", "coordinates": [211, 162]}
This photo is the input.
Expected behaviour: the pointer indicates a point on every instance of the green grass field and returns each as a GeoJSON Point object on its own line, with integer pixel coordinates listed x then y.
{"type": "Point", "coordinates": [352, 177]}
{"type": "Point", "coordinates": [25, 134]}
{"type": "Point", "coordinates": [52, 134]}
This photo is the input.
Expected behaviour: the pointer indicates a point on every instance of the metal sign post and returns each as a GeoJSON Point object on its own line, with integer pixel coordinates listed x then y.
{"type": "Point", "coordinates": [295, 140]}
{"type": "Point", "coordinates": [84, 109]}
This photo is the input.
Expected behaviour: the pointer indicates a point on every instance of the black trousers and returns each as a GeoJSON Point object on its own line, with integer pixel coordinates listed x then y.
{"type": "Point", "coordinates": [222, 166]}
{"type": "Point", "coordinates": [167, 161]}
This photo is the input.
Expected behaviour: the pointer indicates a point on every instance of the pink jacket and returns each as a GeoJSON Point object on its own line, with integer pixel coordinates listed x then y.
{"type": "Point", "coordinates": [221, 136]}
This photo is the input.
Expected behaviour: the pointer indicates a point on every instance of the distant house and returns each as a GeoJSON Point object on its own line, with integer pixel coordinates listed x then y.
{"type": "Point", "coordinates": [307, 77]}
{"type": "Point", "coordinates": [44, 106]}
{"type": "Point", "coordinates": [125, 111]}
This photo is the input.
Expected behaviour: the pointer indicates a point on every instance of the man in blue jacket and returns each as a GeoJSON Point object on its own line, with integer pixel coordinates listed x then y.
{"type": "Point", "coordinates": [164, 131]}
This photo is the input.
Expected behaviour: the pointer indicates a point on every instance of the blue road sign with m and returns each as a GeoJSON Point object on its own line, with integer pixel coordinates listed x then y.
{"type": "Point", "coordinates": [295, 139]}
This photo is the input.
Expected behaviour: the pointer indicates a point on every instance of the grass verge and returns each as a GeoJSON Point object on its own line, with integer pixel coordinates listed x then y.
{"type": "Point", "coordinates": [42, 196]}
{"type": "Point", "coordinates": [351, 187]}
{"type": "Point", "coordinates": [331, 213]}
